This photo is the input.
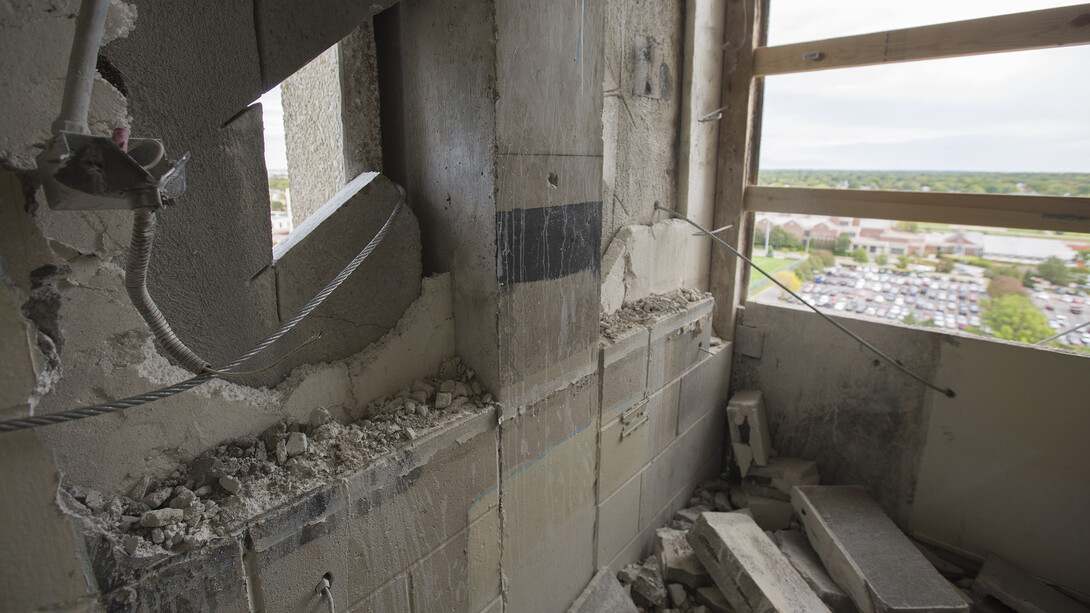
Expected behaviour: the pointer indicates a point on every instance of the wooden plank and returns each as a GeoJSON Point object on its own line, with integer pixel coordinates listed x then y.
{"type": "Point", "coordinates": [1069, 25]}
{"type": "Point", "coordinates": [1061, 213]}
{"type": "Point", "coordinates": [739, 140]}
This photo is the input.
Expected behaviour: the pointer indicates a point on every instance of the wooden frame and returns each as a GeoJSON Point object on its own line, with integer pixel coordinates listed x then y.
{"type": "Point", "coordinates": [1066, 214]}
{"type": "Point", "coordinates": [1069, 25]}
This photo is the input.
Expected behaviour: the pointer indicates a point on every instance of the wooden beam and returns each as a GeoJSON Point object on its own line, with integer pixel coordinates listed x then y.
{"type": "Point", "coordinates": [1066, 214]}
{"type": "Point", "coordinates": [739, 139]}
{"type": "Point", "coordinates": [1069, 25]}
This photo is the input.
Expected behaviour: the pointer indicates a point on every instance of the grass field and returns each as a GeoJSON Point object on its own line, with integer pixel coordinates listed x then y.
{"type": "Point", "coordinates": [772, 265]}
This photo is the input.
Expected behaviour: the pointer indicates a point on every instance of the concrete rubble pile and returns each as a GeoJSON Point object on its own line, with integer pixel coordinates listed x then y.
{"type": "Point", "coordinates": [224, 487]}
{"type": "Point", "coordinates": [777, 540]}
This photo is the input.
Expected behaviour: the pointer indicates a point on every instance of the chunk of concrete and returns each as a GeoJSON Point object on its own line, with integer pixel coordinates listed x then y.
{"type": "Point", "coordinates": [749, 435]}
{"type": "Point", "coordinates": [714, 600]}
{"type": "Point", "coordinates": [678, 562]}
{"type": "Point", "coordinates": [770, 514]}
{"type": "Point", "coordinates": [794, 545]}
{"type": "Point", "coordinates": [1020, 591]}
{"type": "Point", "coordinates": [785, 473]}
{"type": "Point", "coordinates": [747, 567]}
{"type": "Point", "coordinates": [604, 594]}
{"type": "Point", "coordinates": [867, 555]}
{"type": "Point", "coordinates": [161, 517]}
{"type": "Point", "coordinates": [371, 300]}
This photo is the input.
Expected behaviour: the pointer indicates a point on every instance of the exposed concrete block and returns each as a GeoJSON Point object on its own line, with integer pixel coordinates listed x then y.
{"type": "Point", "coordinates": [794, 545]}
{"type": "Point", "coordinates": [662, 408]}
{"type": "Point", "coordinates": [392, 596]}
{"type": "Point", "coordinates": [464, 573]}
{"type": "Point", "coordinates": [371, 301]}
{"type": "Point", "coordinates": [693, 455]}
{"type": "Point", "coordinates": [770, 514]}
{"type": "Point", "coordinates": [749, 435]}
{"type": "Point", "coordinates": [677, 559]}
{"type": "Point", "coordinates": [713, 599]}
{"type": "Point", "coordinates": [431, 490]}
{"type": "Point", "coordinates": [672, 237]}
{"type": "Point", "coordinates": [705, 386]}
{"type": "Point", "coordinates": [751, 572]}
{"type": "Point", "coordinates": [624, 370]}
{"type": "Point", "coordinates": [676, 343]}
{"type": "Point", "coordinates": [867, 555]}
{"type": "Point", "coordinates": [784, 473]}
{"type": "Point", "coordinates": [603, 594]}
{"type": "Point", "coordinates": [617, 522]}
{"type": "Point", "coordinates": [1020, 591]}
{"type": "Point", "coordinates": [307, 533]}
{"type": "Point", "coordinates": [624, 448]}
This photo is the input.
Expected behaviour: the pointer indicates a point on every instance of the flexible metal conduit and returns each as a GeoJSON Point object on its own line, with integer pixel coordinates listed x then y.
{"type": "Point", "coordinates": [136, 283]}
{"type": "Point", "coordinates": [132, 401]}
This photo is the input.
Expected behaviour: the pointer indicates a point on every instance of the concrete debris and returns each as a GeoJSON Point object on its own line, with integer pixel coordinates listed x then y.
{"type": "Point", "coordinates": [770, 514]}
{"type": "Point", "coordinates": [794, 545]}
{"type": "Point", "coordinates": [1018, 590]}
{"type": "Point", "coordinates": [713, 600]}
{"type": "Point", "coordinates": [722, 502]}
{"type": "Point", "coordinates": [678, 597]}
{"type": "Point", "coordinates": [747, 567]}
{"type": "Point", "coordinates": [646, 311]}
{"type": "Point", "coordinates": [228, 485]}
{"type": "Point", "coordinates": [867, 555]}
{"type": "Point", "coordinates": [749, 435]}
{"type": "Point", "coordinates": [604, 594]}
{"type": "Point", "coordinates": [648, 588]}
{"type": "Point", "coordinates": [677, 560]}
{"type": "Point", "coordinates": [784, 473]}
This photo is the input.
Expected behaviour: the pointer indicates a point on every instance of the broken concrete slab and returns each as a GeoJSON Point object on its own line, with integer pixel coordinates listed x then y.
{"type": "Point", "coordinates": [749, 435]}
{"type": "Point", "coordinates": [1020, 591]}
{"type": "Point", "coordinates": [751, 572]}
{"type": "Point", "coordinates": [714, 600]}
{"type": "Point", "coordinates": [677, 559]}
{"type": "Point", "coordinates": [868, 555]}
{"type": "Point", "coordinates": [784, 473]}
{"type": "Point", "coordinates": [794, 545]}
{"type": "Point", "coordinates": [770, 514]}
{"type": "Point", "coordinates": [371, 301]}
{"type": "Point", "coordinates": [604, 594]}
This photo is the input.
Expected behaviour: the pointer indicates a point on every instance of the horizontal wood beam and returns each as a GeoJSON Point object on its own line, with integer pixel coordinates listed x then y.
{"type": "Point", "coordinates": [1061, 213]}
{"type": "Point", "coordinates": [1069, 25]}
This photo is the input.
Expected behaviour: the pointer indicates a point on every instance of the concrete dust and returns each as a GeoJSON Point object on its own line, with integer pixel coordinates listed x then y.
{"type": "Point", "coordinates": [646, 311]}
{"type": "Point", "coordinates": [226, 486]}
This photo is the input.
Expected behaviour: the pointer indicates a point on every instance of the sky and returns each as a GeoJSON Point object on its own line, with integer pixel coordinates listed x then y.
{"type": "Point", "coordinates": [1006, 112]}
{"type": "Point", "coordinates": [272, 112]}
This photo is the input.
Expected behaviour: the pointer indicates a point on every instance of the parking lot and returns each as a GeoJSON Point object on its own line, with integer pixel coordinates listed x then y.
{"type": "Point", "coordinates": [948, 301]}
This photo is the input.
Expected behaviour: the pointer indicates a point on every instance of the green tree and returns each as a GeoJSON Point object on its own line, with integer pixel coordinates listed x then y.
{"type": "Point", "coordinates": [782, 239]}
{"type": "Point", "coordinates": [843, 243]}
{"type": "Point", "coordinates": [789, 279]}
{"type": "Point", "coordinates": [910, 319]}
{"type": "Point", "coordinates": [1054, 271]}
{"type": "Point", "coordinates": [881, 259]}
{"type": "Point", "coordinates": [944, 265]}
{"type": "Point", "coordinates": [1015, 318]}
{"type": "Point", "coordinates": [906, 226]}
{"type": "Point", "coordinates": [759, 236]}
{"type": "Point", "coordinates": [860, 255]}
{"type": "Point", "coordinates": [826, 256]}
{"type": "Point", "coordinates": [902, 261]}
{"type": "Point", "coordinates": [1003, 285]}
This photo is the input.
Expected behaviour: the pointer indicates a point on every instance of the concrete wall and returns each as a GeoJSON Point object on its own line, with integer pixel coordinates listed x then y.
{"type": "Point", "coordinates": [314, 133]}
{"type": "Point", "coordinates": [998, 468]}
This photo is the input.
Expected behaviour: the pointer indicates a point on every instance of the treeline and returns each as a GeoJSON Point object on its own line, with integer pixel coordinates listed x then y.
{"type": "Point", "coordinates": [1044, 183]}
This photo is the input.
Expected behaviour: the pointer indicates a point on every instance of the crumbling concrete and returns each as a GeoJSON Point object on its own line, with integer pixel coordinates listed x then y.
{"type": "Point", "coordinates": [750, 438]}
{"type": "Point", "coordinates": [677, 559]}
{"type": "Point", "coordinates": [867, 555]}
{"type": "Point", "coordinates": [1020, 591]}
{"type": "Point", "coordinates": [784, 473]}
{"type": "Point", "coordinates": [751, 572]}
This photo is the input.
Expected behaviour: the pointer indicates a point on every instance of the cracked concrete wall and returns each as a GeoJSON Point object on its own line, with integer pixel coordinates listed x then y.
{"type": "Point", "coordinates": [943, 468]}
{"type": "Point", "coordinates": [641, 112]}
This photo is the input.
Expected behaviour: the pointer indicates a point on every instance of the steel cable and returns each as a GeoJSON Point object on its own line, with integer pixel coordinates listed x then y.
{"type": "Point", "coordinates": [35, 421]}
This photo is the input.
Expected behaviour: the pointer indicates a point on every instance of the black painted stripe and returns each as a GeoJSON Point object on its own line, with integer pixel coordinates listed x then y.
{"type": "Point", "coordinates": [548, 243]}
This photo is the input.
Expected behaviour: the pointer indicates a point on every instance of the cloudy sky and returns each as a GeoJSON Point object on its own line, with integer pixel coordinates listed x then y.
{"type": "Point", "coordinates": [1007, 112]}
{"type": "Point", "coordinates": [272, 113]}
